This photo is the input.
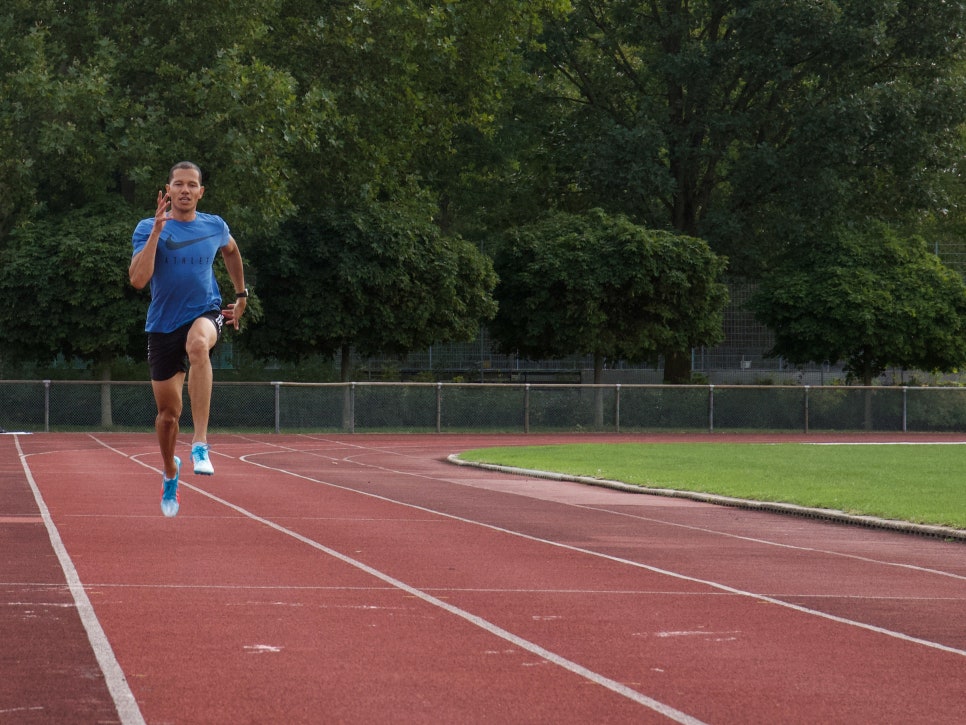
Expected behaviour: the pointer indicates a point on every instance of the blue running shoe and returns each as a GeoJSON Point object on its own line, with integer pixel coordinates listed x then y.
{"type": "Point", "coordinates": [199, 456]}
{"type": "Point", "coordinates": [170, 498]}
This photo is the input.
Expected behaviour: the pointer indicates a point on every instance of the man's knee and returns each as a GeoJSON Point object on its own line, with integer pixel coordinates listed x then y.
{"type": "Point", "coordinates": [197, 350]}
{"type": "Point", "coordinates": [167, 418]}
{"type": "Point", "coordinates": [201, 338]}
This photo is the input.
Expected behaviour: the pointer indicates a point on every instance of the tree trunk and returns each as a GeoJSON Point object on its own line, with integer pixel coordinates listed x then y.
{"type": "Point", "coordinates": [677, 367]}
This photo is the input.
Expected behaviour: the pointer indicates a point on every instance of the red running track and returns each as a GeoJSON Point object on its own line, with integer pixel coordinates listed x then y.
{"type": "Point", "coordinates": [360, 579]}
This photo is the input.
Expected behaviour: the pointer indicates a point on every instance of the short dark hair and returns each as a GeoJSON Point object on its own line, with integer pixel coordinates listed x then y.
{"type": "Point", "coordinates": [184, 165]}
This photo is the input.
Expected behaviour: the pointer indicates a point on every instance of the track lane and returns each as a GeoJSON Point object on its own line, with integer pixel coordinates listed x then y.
{"type": "Point", "coordinates": [708, 652]}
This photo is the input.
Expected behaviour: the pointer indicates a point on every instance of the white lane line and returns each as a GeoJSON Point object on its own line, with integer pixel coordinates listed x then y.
{"type": "Point", "coordinates": [127, 706]}
{"type": "Point", "coordinates": [778, 544]}
{"type": "Point", "coordinates": [573, 667]}
{"type": "Point", "coordinates": [636, 490]}
{"type": "Point", "coordinates": [569, 665]}
{"type": "Point", "coordinates": [657, 570]}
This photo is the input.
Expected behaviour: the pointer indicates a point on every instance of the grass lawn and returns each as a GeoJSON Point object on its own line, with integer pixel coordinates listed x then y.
{"type": "Point", "coordinates": [918, 483]}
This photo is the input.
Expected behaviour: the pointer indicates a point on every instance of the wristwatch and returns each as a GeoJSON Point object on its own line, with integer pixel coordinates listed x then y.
{"type": "Point", "coordinates": [243, 293]}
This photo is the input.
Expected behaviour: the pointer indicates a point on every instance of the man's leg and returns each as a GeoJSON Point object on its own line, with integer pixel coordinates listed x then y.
{"type": "Point", "coordinates": [201, 338]}
{"type": "Point", "coordinates": [167, 396]}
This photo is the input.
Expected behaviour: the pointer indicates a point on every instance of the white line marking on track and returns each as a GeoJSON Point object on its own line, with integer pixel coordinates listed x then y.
{"type": "Point", "coordinates": [683, 577]}
{"type": "Point", "coordinates": [676, 575]}
{"type": "Point", "coordinates": [261, 648]}
{"type": "Point", "coordinates": [882, 443]}
{"type": "Point", "coordinates": [638, 517]}
{"type": "Point", "coordinates": [778, 544]}
{"type": "Point", "coordinates": [573, 667]}
{"type": "Point", "coordinates": [11, 710]}
{"type": "Point", "coordinates": [127, 706]}
{"type": "Point", "coordinates": [533, 648]}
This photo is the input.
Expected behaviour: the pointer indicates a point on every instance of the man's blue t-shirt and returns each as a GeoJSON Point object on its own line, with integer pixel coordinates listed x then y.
{"type": "Point", "coordinates": [183, 286]}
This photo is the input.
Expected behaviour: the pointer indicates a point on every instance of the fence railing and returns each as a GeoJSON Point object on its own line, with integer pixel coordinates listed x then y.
{"type": "Point", "coordinates": [35, 406]}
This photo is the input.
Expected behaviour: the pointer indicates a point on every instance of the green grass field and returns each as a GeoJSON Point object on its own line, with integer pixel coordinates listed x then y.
{"type": "Point", "coordinates": [918, 483]}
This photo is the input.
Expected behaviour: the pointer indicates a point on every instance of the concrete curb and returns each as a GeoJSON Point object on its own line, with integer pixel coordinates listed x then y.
{"type": "Point", "coordinates": [906, 527]}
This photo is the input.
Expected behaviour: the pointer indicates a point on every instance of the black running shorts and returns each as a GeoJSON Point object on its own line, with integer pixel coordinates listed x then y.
{"type": "Point", "coordinates": [167, 353]}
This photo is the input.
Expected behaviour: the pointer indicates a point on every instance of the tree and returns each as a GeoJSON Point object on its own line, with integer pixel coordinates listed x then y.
{"type": "Point", "coordinates": [870, 298]}
{"type": "Point", "coordinates": [98, 100]}
{"type": "Point", "coordinates": [600, 285]}
{"type": "Point", "coordinates": [704, 116]}
{"type": "Point", "coordinates": [757, 125]}
{"type": "Point", "coordinates": [101, 98]}
{"type": "Point", "coordinates": [380, 280]}
{"type": "Point", "coordinates": [64, 285]}
{"type": "Point", "coordinates": [391, 87]}
{"type": "Point", "coordinates": [355, 113]}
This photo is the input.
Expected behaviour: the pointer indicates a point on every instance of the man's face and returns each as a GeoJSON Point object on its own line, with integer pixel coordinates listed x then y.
{"type": "Point", "coordinates": [185, 190]}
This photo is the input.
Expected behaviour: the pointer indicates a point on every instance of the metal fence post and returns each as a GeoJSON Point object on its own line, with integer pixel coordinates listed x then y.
{"type": "Point", "coordinates": [526, 408]}
{"type": "Point", "coordinates": [617, 408]}
{"type": "Point", "coordinates": [439, 407]}
{"type": "Point", "coordinates": [711, 409]}
{"type": "Point", "coordinates": [806, 408]}
{"type": "Point", "coordinates": [905, 409]}
{"type": "Point", "coordinates": [352, 407]}
{"type": "Point", "coordinates": [278, 414]}
{"type": "Point", "coordinates": [46, 406]}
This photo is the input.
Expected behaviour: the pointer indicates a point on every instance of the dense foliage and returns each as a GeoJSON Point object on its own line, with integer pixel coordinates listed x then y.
{"type": "Point", "coordinates": [369, 156]}
{"type": "Point", "coordinates": [871, 299]}
{"type": "Point", "coordinates": [380, 279]}
{"type": "Point", "coordinates": [600, 285]}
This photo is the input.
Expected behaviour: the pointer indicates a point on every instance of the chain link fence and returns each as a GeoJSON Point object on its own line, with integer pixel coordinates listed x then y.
{"type": "Point", "coordinates": [51, 405]}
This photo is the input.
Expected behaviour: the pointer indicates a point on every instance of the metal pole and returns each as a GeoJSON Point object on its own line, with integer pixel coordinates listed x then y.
{"type": "Point", "coordinates": [352, 408]}
{"type": "Point", "coordinates": [278, 417]}
{"type": "Point", "coordinates": [526, 408]}
{"type": "Point", "coordinates": [806, 408]}
{"type": "Point", "coordinates": [905, 408]}
{"type": "Point", "coordinates": [617, 408]}
{"type": "Point", "coordinates": [439, 407]}
{"type": "Point", "coordinates": [46, 406]}
{"type": "Point", "coordinates": [711, 409]}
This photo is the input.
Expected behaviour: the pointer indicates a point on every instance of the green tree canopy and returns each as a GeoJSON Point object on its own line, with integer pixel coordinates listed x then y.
{"type": "Point", "coordinates": [600, 285]}
{"type": "Point", "coordinates": [754, 125]}
{"type": "Point", "coordinates": [758, 126]}
{"type": "Point", "coordinates": [870, 299]}
{"type": "Point", "coordinates": [380, 280]}
{"type": "Point", "coordinates": [100, 99]}
{"type": "Point", "coordinates": [358, 109]}
{"type": "Point", "coordinates": [64, 285]}
{"type": "Point", "coordinates": [63, 282]}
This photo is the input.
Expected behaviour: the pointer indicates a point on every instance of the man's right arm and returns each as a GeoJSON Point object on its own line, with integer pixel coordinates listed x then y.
{"type": "Point", "coordinates": [142, 263]}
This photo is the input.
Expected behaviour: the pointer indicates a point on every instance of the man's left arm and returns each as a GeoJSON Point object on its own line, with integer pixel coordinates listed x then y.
{"type": "Point", "coordinates": [236, 271]}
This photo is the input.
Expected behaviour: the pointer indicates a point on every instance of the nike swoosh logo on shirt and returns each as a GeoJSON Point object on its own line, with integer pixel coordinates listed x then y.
{"type": "Point", "coordinates": [186, 243]}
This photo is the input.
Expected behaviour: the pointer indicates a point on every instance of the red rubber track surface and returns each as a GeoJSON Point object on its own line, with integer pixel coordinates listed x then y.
{"type": "Point", "coordinates": [360, 579]}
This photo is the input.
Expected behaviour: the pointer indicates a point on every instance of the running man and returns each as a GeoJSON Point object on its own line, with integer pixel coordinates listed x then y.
{"type": "Point", "coordinates": [175, 251]}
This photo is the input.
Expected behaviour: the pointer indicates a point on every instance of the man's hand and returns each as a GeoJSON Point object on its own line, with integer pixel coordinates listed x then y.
{"type": "Point", "coordinates": [234, 311]}
{"type": "Point", "coordinates": [161, 213]}
{"type": "Point", "coordinates": [142, 263]}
